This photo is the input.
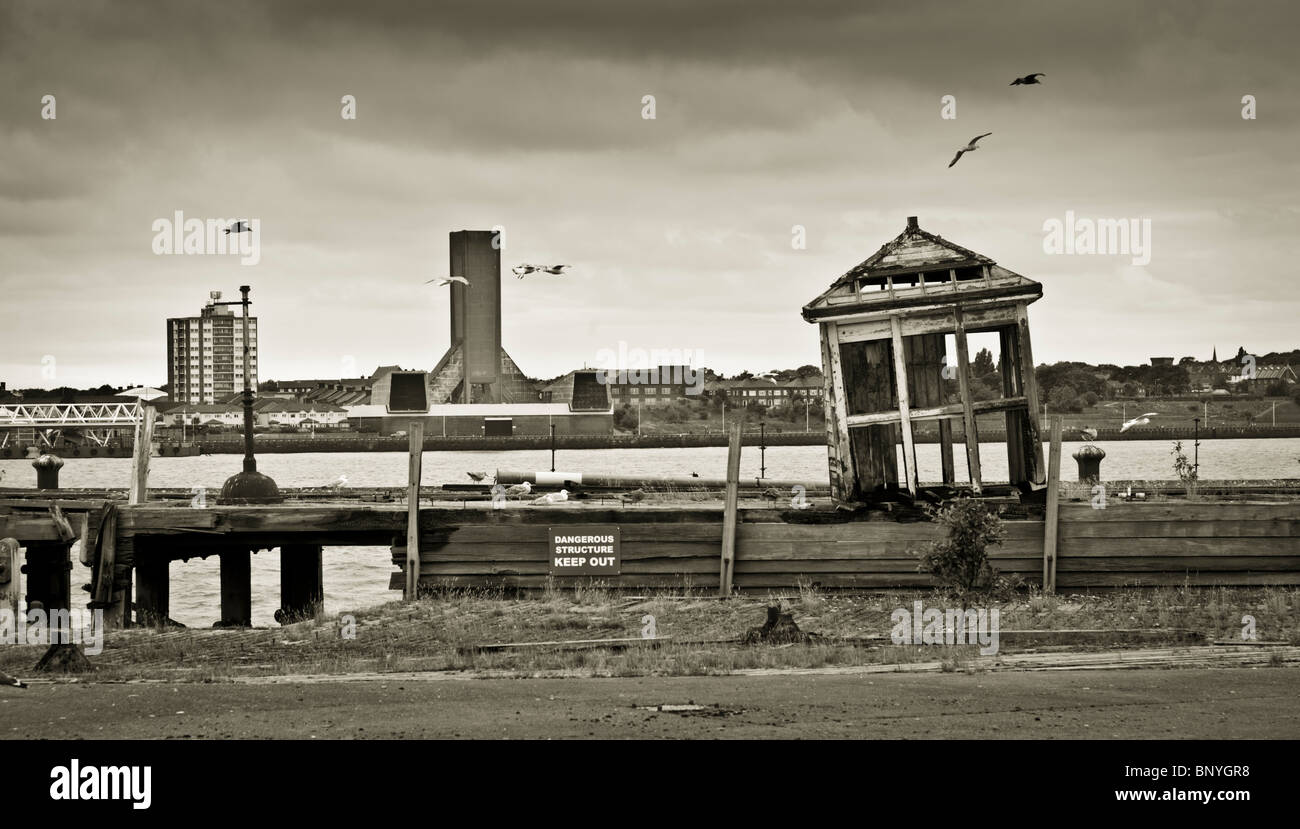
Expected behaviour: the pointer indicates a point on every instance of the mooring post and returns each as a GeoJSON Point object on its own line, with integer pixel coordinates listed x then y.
{"type": "Point", "coordinates": [139, 491]}
{"type": "Point", "coordinates": [236, 589]}
{"type": "Point", "coordinates": [1053, 509]}
{"type": "Point", "coordinates": [416, 433]}
{"type": "Point", "coordinates": [47, 471]}
{"type": "Point", "coordinates": [302, 582]}
{"type": "Point", "coordinates": [729, 511]}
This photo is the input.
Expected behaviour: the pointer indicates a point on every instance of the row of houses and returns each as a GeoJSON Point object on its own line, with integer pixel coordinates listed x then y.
{"type": "Point", "coordinates": [267, 413]}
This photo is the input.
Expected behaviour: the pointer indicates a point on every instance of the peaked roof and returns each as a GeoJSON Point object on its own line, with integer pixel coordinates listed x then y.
{"type": "Point", "coordinates": [951, 271]}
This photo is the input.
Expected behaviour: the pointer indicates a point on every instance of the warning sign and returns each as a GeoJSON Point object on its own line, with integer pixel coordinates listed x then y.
{"type": "Point", "coordinates": [585, 550]}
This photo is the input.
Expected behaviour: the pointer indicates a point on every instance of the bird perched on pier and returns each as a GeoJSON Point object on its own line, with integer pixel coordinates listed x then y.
{"type": "Point", "coordinates": [523, 270]}
{"type": "Point", "coordinates": [476, 477]}
{"type": "Point", "coordinates": [555, 269]}
{"type": "Point", "coordinates": [635, 495]}
{"type": "Point", "coordinates": [1028, 79]}
{"type": "Point", "coordinates": [773, 493]}
{"type": "Point", "coordinates": [695, 474]}
{"type": "Point", "coordinates": [969, 148]}
{"type": "Point", "coordinates": [552, 498]}
{"type": "Point", "coordinates": [447, 280]}
{"type": "Point", "coordinates": [1140, 420]}
{"type": "Point", "coordinates": [239, 227]}
{"type": "Point", "coordinates": [1088, 433]}
{"type": "Point", "coordinates": [520, 489]}
{"type": "Point", "coordinates": [338, 483]}
{"type": "Point", "coordinates": [6, 679]}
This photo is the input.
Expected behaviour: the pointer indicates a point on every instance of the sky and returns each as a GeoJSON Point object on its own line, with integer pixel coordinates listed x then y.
{"type": "Point", "coordinates": [680, 229]}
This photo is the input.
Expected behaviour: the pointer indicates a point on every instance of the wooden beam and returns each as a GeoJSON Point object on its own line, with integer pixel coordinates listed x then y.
{"type": "Point", "coordinates": [951, 411]}
{"type": "Point", "coordinates": [968, 407]}
{"type": "Point", "coordinates": [105, 573]}
{"type": "Point", "coordinates": [1029, 383]}
{"type": "Point", "coordinates": [839, 407]}
{"type": "Point", "coordinates": [139, 491]}
{"type": "Point", "coordinates": [152, 590]}
{"type": "Point", "coordinates": [10, 575]}
{"type": "Point", "coordinates": [416, 455]}
{"type": "Point", "coordinates": [904, 418]}
{"type": "Point", "coordinates": [236, 588]}
{"type": "Point", "coordinates": [728, 563]}
{"type": "Point", "coordinates": [835, 466]}
{"type": "Point", "coordinates": [1009, 367]}
{"type": "Point", "coordinates": [302, 587]}
{"type": "Point", "coordinates": [1050, 528]}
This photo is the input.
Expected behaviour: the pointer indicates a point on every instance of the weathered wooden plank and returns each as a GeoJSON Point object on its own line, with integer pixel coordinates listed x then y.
{"type": "Point", "coordinates": [1051, 525]}
{"type": "Point", "coordinates": [952, 411]}
{"type": "Point", "coordinates": [1033, 448]}
{"type": "Point", "coordinates": [28, 529]}
{"type": "Point", "coordinates": [728, 557]}
{"type": "Point", "coordinates": [1179, 564]}
{"type": "Point", "coordinates": [416, 454]}
{"type": "Point", "coordinates": [1275, 527]}
{"type": "Point", "coordinates": [968, 404]}
{"type": "Point", "coordinates": [1179, 511]}
{"type": "Point", "coordinates": [838, 409]}
{"type": "Point", "coordinates": [1225, 579]}
{"type": "Point", "coordinates": [139, 491]}
{"type": "Point", "coordinates": [10, 575]}
{"type": "Point", "coordinates": [1244, 546]}
{"type": "Point", "coordinates": [904, 406]}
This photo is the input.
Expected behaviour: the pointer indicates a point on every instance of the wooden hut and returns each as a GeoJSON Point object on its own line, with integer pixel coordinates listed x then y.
{"type": "Point", "coordinates": [883, 328]}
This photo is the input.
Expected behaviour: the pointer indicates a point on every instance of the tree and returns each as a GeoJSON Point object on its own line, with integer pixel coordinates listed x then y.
{"type": "Point", "coordinates": [1064, 398]}
{"type": "Point", "coordinates": [983, 365]}
{"type": "Point", "coordinates": [960, 559]}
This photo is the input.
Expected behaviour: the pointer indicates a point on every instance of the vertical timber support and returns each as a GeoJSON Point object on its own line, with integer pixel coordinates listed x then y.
{"type": "Point", "coordinates": [236, 589]}
{"type": "Point", "coordinates": [1033, 431]}
{"type": "Point", "coordinates": [302, 582]}
{"type": "Point", "coordinates": [904, 407]}
{"type": "Point", "coordinates": [968, 409]}
{"type": "Point", "coordinates": [152, 588]}
{"type": "Point", "coordinates": [839, 411]}
{"type": "Point", "coordinates": [1009, 365]}
{"type": "Point", "coordinates": [727, 564]}
{"type": "Point", "coordinates": [416, 452]}
{"type": "Point", "coordinates": [10, 575]}
{"type": "Point", "coordinates": [1051, 524]}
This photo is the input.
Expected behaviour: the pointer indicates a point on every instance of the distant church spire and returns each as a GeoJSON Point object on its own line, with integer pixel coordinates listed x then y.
{"type": "Point", "coordinates": [1215, 358]}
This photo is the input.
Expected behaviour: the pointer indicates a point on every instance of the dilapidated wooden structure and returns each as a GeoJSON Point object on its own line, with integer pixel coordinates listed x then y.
{"type": "Point", "coordinates": [884, 326]}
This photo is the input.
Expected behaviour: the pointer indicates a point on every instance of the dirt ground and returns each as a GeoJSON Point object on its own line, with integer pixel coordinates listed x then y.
{"type": "Point", "coordinates": [1202, 703]}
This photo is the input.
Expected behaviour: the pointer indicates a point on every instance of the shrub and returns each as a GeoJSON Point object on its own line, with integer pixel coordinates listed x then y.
{"type": "Point", "coordinates": [960, 560]}
{"type": "Point", "coordinates": [1090, 398]}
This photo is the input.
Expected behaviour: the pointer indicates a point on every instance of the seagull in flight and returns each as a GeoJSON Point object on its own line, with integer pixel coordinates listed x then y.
{"type": "Point", "coordinates": [1140, 420]}
{"type": "Point", "coordinates": [239, 227]}
{"type": "Point", "coordinates": [556, 269]}
{"type": "Point", "coordinates": [6, 679]}
{"type": "Point", "coordinates": [1028, 79]}
{"type": "Point", "coordinates": [969, 148]}
{"type": "Point", "coordinates": [447, 280]}
{"type": "Point", "coordinates": [523, 270]}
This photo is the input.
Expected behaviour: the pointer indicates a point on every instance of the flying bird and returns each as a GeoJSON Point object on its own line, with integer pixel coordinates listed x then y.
{"type": "Point", "coordinates": [1140, 420]}
{"type": "Point", "coordinates": [968, 148]}
{"type": "Point", "coordinates": [523, 270]}
{"type": "Point", "coordinates": [476, 476]}
{"type": "Point", "coordinates": [552, 498]}
{"type": "Point", "coordinates": [6, 679]}
{"type": "Point", "coordinates": [447, 280]}
{"type": "Point", "coordinates": [239, 227]}
{"type": "Point", "coordinates": [1028, 79]}
{"type": "Point", "coordinates": [557, 269]}
{"type": "Point", "coordinates": [520, 489]}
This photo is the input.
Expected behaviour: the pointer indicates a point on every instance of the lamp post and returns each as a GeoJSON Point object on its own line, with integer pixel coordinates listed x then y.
{"type": "Point", "coordinates": [248, 486]}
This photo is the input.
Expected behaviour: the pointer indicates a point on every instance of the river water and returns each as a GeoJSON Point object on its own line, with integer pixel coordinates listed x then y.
{"type": "Point", "coordinates": [358, 577]}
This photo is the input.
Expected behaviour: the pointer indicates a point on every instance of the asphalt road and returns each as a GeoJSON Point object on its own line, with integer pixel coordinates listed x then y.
{"type": "Point", "coordinates": [1135, 704]}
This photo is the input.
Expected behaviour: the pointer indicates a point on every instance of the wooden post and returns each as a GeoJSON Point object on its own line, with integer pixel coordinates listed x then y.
{"type": "Point", "coordinates": [302, 582]}
{"type": "Point", "coordinates": [729, 510]}
{"type": "Point", "coordinates": [904, 407]}
{"type": "Point", "coordinates": [837, 409]}
{"type": "Point", "coordinates": [236, 589]}
{"type": "Point", "coordinates": [10, 579]}
{"type": "Point", "coordinates": [968, 410]}
{"type": "Point", "coordinates": [416, 451]}
{"type": "Point", "coordinates": [153, 590]}
{"type": "Point", "coordinates": [139, 492]}
{"type": "Point", "coordinates": [1033, 430]}
{"type": "Point", "coordinates": [1053, 509]}
{"type": "Point", "coordinates": [106, 572]}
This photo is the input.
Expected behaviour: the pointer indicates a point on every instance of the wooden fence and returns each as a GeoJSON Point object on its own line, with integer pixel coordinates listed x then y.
{"type": "Point", "coordinates": [1170, 543]}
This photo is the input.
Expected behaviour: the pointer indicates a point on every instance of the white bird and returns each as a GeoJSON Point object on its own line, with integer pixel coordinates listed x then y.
{"type": "Point", "coordinates": [1089, 433]}
{"type": "Point", "coordinates": [476, 476]}
{"type": "Point", "coordinates": [338, 483]}
{"type": "Point", "coordinates": [6, 679]}
{"type": "Point", "coordinates": [520, 489]}
{"type": "Point", "coordinates": [969, 148]}
{"type": "Point", "coordinates": [239, 227]}
{"type": "Point", "coordinates": [552, 498]}
{"type": "Point", "coordinates": [447, 280]}
{"type": "Point", "coordinates": [1140, 420]}
{"type": "Point", "coordinates": [556, 269]}
{"type": "Point", "coordinates": [523, 270]}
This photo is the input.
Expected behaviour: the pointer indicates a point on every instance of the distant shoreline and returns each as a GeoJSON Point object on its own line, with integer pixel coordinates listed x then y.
{"type": "Point", "coordinates": [282, 444]}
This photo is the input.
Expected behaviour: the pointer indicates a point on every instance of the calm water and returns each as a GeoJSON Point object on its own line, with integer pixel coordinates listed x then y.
{"type": "Point", "coordinates": [358, 576]}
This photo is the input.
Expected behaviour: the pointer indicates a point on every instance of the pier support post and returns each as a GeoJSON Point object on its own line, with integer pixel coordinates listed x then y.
{"type": "Point", "coordinates": [302, 583]}
{"type": "Point", "coordinates": [152, 590]}
{"type": "Point", "coordinates": [236, 589]}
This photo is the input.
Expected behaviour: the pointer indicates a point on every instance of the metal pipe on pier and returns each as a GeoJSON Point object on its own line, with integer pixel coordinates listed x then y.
{"type": "Point", "coordinates": [559, 479]}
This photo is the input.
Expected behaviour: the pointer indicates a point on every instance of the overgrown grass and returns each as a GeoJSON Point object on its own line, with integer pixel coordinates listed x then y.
{"type": "Point", "coordinates": [697, 632]}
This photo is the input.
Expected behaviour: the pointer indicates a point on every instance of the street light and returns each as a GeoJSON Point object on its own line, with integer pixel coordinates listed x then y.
{"type": "Point", "coordinates": [249, 486]}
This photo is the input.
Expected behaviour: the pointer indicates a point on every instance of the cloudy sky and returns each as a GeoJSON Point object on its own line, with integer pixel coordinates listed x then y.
{"type": "Point", "coordinates": [528, 115]}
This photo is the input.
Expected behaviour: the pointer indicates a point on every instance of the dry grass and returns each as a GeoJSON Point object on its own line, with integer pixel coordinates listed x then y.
{"type": "Point", "coordinates": [698, 632]}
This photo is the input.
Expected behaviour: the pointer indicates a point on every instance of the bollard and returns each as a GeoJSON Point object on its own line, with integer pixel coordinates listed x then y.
{"type": "Point", "coordinates": [47, 471]}
{"type": "Point", "coordinates": [1089, 459]}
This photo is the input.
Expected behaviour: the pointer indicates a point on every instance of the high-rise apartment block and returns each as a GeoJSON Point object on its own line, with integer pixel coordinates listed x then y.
{"type": "Point", "coordinates": [205, 354]}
